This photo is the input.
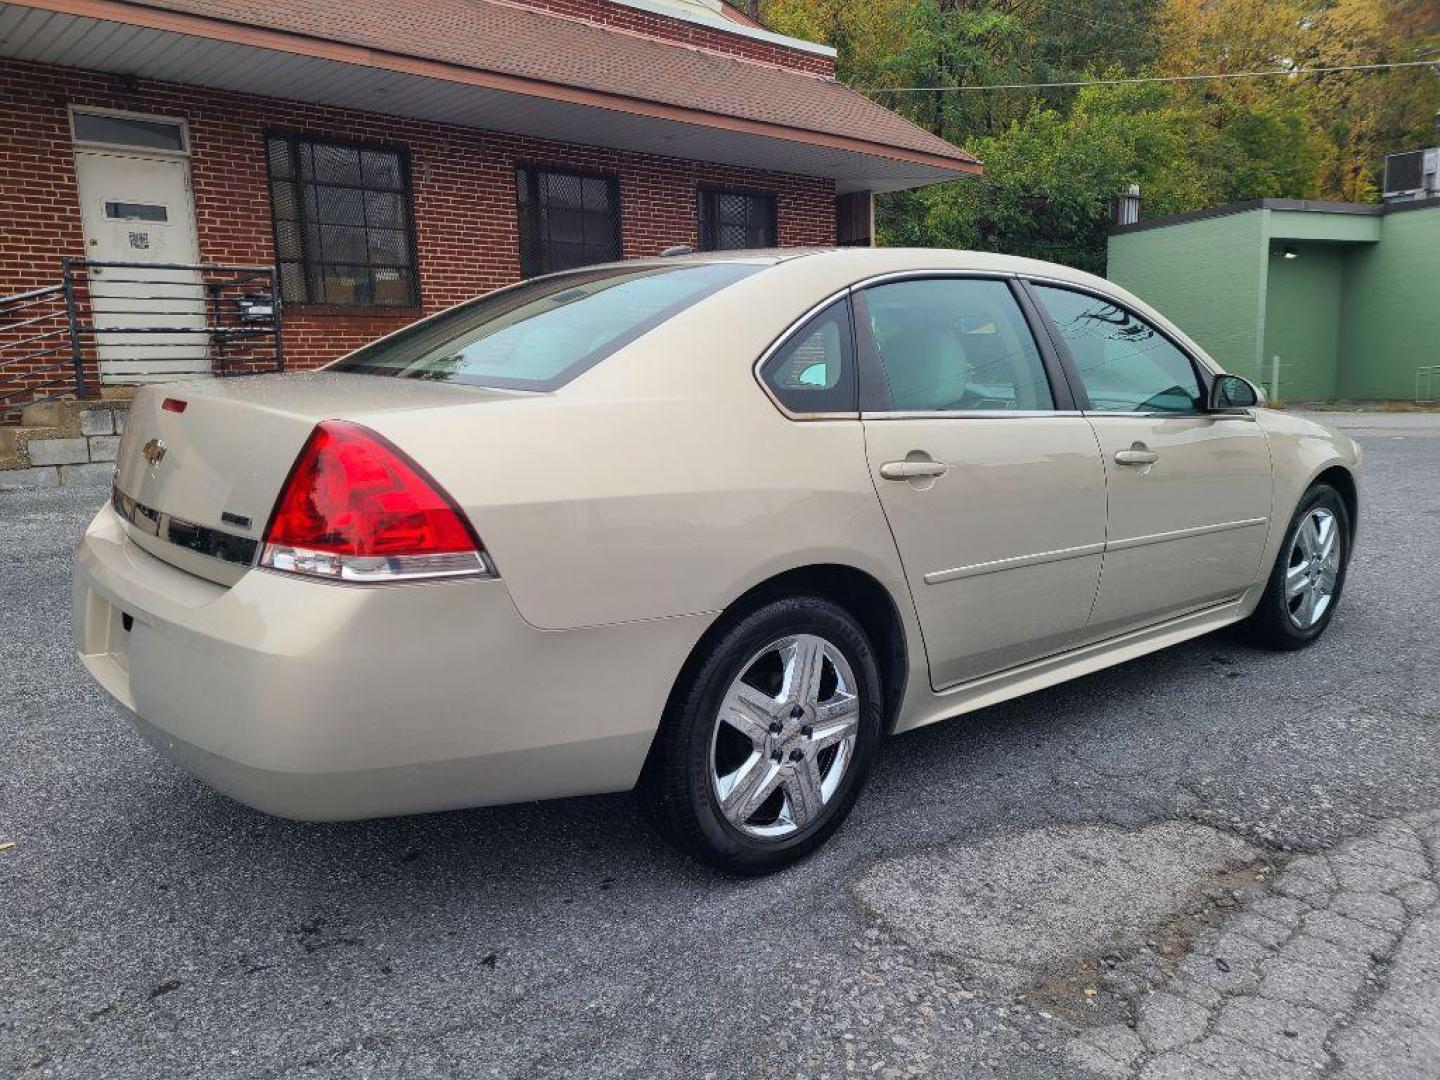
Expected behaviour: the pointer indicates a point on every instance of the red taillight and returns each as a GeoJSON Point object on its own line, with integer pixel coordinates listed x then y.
{"type": "Point", "coordinates": [355, 508]}
{"type": "Point", "coordinates": [171, 404]}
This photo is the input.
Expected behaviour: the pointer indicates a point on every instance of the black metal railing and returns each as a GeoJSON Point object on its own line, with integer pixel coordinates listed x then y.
{"type": "Point", "coordinates": [130, 321]}
{"type": "Point", "coordinates": [38, 353]}
{"type": "Point", "coordinates": [152, 319]}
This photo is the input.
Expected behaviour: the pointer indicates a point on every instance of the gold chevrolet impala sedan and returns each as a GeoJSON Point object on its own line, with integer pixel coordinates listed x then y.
{"type": "Point", "coordinates": [706, 526]}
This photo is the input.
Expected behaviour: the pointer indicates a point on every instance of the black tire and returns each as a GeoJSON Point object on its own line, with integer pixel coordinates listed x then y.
{"type": "Point", "coordinates": [676, 789]}
{"type": "Point", "coordinates": [1270, 625]}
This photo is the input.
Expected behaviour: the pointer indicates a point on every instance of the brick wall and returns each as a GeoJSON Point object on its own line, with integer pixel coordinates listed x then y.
{"type": "Point", "coordinates": [711, 39]}
{"type": "Point", "coordinates": [463, 180]}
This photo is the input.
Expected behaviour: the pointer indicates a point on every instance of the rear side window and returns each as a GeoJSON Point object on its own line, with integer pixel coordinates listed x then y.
{"type": "Point", "coordinates": [541, 334]}
{"type": "Point", "coordinates": [1125, 364]}
{"type": "Point", "coordinates": [955, 344]}
{"type": "Point", "coordinates": [814, 371]}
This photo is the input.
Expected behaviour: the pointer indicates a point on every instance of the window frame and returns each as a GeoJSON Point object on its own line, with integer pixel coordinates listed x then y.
{"type": "Point", "coordinates": [402, 152]}
{"type": "Point", "coordinates": [130, 148]}
{"type": "Point", "coordinates": [529, 170]}
{"type": "Point", "coordinates": [707, 191]}
{"type": "Point", "coordinates": [876, 402]}
{"type": "Point", "coordinates": [850, 359]}
{"type": "Point", "coordinates": [1204, 375]}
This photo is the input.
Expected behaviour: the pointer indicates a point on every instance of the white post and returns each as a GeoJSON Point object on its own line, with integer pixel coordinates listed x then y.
{"type": "Point", "coordinates": [1274, 378]}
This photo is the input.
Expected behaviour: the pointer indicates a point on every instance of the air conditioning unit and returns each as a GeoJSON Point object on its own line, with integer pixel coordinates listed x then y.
{"type": "Point", "coordinates": [1412, 175]}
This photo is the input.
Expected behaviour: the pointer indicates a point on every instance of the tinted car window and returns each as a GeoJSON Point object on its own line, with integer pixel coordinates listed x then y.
{"type": "Point", "coordinates": [814, 371]}
{"type": "Point", "coordinates": [541, 334]}
{"type": "Point", "coordinates": [1125, 364]}
{"type": "Point", "coordinates": [955, 344]}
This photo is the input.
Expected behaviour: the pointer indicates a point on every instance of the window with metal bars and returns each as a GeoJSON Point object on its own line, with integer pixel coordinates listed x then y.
{"type": "Point", "coordinates": [567, 220]}
{"type": "Point", "coordinates": [344, 231]}
{"type": "Point", "coordinates": [737, 219]}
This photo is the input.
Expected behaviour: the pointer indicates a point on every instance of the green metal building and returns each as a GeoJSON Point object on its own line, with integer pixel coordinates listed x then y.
{"type": "Point", "coordinates": [1315, 301]}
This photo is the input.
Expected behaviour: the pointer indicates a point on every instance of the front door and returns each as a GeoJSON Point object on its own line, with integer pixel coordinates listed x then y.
{"type": "Point", "coordinates": [1189, 492]}
{"type": "Point", "coordinates": [150, 320]}
{"type": "Point", "coordinates": [996, 499]}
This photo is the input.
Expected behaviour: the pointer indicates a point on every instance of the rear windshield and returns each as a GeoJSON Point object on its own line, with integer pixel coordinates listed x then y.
{"type": "Point", "coordinates": [540, 334]}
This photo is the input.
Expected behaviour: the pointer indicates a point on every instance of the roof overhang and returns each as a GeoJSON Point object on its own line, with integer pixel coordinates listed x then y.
{"type": "Point", "coordinates": [1297, 219]}
{"type": "Point", "coordinates": [130, 39]}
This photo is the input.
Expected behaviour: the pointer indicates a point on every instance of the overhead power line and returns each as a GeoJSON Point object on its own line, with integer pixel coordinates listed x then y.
{"type": "Point", "coordinates": [1435, 63]}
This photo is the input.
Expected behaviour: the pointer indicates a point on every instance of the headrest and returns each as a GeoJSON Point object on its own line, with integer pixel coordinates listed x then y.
{"type": "Point", "coordinates": [926, 367]}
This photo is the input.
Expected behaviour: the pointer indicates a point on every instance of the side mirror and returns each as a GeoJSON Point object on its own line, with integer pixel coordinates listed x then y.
{"type": "Point", "coordinates": [1230, 392]}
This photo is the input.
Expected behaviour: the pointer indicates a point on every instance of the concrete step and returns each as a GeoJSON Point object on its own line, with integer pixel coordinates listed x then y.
{"type": "Point", "coordinates": [10, 448]}
{"type": "Point", "coordinates": [89, 417]}
{"type": "Point", "coordinates": [64, 433]}
{"type": "Point", "coordinates": [55, 413]}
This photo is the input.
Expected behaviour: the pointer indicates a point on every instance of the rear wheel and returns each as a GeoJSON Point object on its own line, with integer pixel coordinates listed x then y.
{"type": "Point", "coordinates": [1309, 574]}
{"type": "Point", "coordinates": [768, 739]}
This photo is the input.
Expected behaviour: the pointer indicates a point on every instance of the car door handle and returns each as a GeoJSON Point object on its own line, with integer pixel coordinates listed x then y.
{"type": "Point", "coordinates": [1138, 454]}
{"type": "Point", "coordinates": [913, 470]}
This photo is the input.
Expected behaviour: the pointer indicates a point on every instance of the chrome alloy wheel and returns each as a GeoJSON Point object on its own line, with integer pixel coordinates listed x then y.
{"type": "Point", "coordinates": [784, 736]}
{"type": "Point", "coordinates": [1313, 567]}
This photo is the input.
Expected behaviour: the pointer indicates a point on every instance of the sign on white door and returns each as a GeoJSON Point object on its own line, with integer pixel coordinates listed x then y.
{"type": "Point", "coordinates": [150, 322]}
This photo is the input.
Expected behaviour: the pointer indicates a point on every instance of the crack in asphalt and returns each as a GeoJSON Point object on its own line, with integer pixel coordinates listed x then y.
{"type": "Point", "coordinates": [1247, 1006]}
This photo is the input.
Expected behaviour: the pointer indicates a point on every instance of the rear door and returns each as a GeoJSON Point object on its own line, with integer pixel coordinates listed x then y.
{"type": "Point", "coordinates": [1189, 491]}
{"type": "Point", "coordinates": [991, 482]}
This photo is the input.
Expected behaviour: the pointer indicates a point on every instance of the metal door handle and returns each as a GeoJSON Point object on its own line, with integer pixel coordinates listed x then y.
{"type": "Point", "coordinates": [913, 470]}
{"type": "Point", "coordinates": [1138, 454]}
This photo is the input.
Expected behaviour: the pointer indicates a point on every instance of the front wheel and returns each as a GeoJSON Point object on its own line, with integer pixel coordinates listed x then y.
{"type": "Point", "coordinates": [1309, 574]}
{"type": "Point", "coordinates": [768, 738]}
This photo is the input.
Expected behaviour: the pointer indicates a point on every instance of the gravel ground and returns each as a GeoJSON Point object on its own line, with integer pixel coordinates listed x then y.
{"type": "Point", "coordinates": [1230, 846]}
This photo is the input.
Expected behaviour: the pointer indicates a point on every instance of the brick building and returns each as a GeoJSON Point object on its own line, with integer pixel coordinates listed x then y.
{"type": "Point", "coordinates": [392, 157]}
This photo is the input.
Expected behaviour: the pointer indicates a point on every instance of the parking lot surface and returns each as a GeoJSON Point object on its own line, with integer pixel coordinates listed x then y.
{"type": "Point", "coordinates": [1210, 862]}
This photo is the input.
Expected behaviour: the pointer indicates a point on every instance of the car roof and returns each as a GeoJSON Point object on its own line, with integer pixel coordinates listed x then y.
{"type": "Point", "coordinates": [866, 261]}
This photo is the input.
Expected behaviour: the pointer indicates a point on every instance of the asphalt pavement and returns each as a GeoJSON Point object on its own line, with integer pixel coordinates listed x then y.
{"type": "Point", "coordinates": [1213, 861]}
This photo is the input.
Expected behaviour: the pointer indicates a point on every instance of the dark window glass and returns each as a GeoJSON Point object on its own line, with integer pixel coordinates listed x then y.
{"type": "Point", "coordinates": [129, 131]}
{"type": "Point", "coordinates": [343, 226]}
{"type": "Point", "coordinates": [814, 371]}
{"type": "Point", "coordinates": [567, 220]}
{"type": "Point", "coordinates": [949, 344]}
{"type": "Point", "coordinates": [129, 211]}
{"type": "Point", "coordinates": [731, 220]}
{"type": "Point", "coordinates": [539, 335]}
{"type": "Point", "coordinates": [1125, 364]}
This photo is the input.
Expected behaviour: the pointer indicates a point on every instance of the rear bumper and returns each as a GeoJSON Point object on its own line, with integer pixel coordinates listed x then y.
{"type": "Point", "coordinates": [323, 702]}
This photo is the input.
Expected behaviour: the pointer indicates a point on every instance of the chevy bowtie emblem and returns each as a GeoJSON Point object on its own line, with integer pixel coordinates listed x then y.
{"type": "Point", "coordinates": [154, 451]}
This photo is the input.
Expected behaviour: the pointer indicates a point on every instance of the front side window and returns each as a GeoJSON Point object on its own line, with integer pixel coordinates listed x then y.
{"type": "Point", "coordinates": [955, 344]}
{"type": "Point", "coordinates": [344, 231]}
{"type": "Point", "coordinates": [539, 335]}
{"type": "Point", "coordinates": [567, 220]}
{"type": "Point", "coordinates": [814, 371]}
{"type": "Point", "coordinates": [735, 220]}
{"type": "Point", "coordinates": [1124, 363]}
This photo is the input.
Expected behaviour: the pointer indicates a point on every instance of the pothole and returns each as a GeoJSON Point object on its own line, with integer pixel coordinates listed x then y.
{"type": "Point", "coordinates": [1078, 920]}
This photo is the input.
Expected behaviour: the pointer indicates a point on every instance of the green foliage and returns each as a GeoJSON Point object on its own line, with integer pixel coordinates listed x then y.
{"type": "Point", "coordinates": [1055, 157]}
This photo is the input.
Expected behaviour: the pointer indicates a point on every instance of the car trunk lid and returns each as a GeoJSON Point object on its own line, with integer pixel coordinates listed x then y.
{"type": "Point", "coordinates": [202, 463]}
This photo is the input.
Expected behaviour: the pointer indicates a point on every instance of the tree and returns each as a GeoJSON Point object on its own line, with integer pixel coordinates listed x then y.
{"type": "Point", "coordinates": [1055, 156]}
{"type": "Point", "coordinates": [1365, 115]}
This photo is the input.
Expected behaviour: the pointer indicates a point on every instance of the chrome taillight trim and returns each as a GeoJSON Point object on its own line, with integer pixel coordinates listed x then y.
{"type": "Point", "coordinates": [202, 539]}
{"type": "Point", "coordinates": [312, 565]}
{"type": "Point", "coordinates": [370, 570]}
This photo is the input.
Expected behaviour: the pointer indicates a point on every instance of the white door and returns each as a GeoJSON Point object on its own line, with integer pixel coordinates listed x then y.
{"type": "Point", "coordinates": [138, 209]}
